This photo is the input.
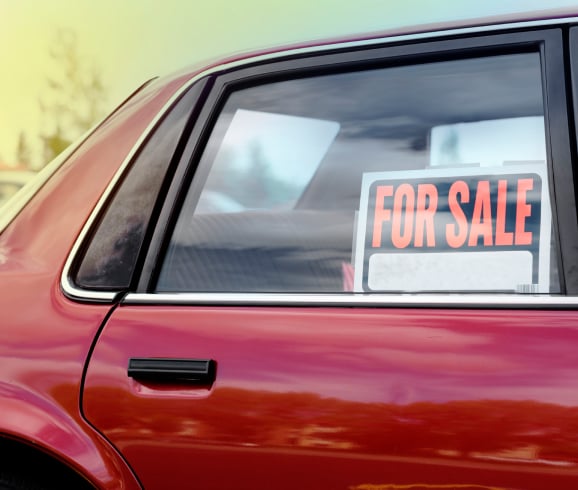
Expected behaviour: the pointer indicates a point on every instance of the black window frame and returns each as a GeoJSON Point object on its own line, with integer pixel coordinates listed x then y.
{"type": "Point", "coordinates": [550, 44]}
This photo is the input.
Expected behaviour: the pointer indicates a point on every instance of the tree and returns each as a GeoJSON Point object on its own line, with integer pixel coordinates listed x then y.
{"type": "Point", "coordinates": [74, 98]}
{"type": "Point", "coordinates": [23, 156]}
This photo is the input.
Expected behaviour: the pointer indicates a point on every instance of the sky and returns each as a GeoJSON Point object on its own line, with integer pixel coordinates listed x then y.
{"type": "Point", "coordinates": [130, 41]}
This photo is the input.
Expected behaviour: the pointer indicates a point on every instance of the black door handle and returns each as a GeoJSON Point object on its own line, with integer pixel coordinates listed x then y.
{"type": "Point", "coordinates": [191, 371]}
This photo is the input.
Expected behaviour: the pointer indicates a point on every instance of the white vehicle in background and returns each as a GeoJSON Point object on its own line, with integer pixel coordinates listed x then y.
{"type": "Point", "coordinates": [11, 181]}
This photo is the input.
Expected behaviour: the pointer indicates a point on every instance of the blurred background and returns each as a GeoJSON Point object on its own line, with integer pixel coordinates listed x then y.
{"type": "Point", "coordinates": [64, 65]}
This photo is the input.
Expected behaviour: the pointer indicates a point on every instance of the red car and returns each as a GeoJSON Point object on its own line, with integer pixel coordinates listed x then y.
{"type": "Point", "coordinates": [343, 266]}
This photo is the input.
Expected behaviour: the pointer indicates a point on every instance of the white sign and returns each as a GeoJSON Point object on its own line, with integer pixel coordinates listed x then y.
{"type": "Point", "coordinates": [454, 229]}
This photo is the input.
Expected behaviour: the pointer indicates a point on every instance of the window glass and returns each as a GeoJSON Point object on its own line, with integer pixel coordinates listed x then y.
{"type": "Point", "coordinates": [264, 161]}
{"type": "Point", "coordinates": [112, 251]}
{"type": "Point", "coordinates": [430, 177]}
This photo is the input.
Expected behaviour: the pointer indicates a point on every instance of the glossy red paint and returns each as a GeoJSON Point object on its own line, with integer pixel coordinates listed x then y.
{"type": "Point", "coordinates": [355, 398]}
{"type": "Point", "coordinates": [45, 338]}
{"type": "Point", "coordinates": [352, 397]}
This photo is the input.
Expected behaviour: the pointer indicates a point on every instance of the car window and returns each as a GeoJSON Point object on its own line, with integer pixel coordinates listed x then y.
{"type": "Point", "coordinates": [112, 251]}
{"type": "Point", "coordinates": [428, 177]}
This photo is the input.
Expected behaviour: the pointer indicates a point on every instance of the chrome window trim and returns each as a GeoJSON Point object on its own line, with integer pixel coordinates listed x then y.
{"type": "Point", "coordinates": [427, 300]}
{"type": "Point", "coordinates": [76, 293]}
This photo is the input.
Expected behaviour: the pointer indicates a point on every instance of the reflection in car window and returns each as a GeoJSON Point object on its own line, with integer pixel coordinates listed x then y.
{"type": "Point", "coordinates": [264, 161]}
{"type": "Point", "coordinates": [283, 198]}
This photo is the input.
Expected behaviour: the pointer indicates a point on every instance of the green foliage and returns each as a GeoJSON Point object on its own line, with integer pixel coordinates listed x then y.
{"type": "Point", "coordinates": [54, 143]}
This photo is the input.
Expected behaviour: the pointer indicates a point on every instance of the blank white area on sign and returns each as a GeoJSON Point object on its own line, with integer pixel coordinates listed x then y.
{"type": "Point", "coordinates": [453, 271]}
{"type": "Point", "coordinates": [489, 143]}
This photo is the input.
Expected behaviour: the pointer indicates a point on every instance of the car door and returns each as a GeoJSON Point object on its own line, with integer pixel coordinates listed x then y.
{"type": "Point", "coordinates": [360, 279]}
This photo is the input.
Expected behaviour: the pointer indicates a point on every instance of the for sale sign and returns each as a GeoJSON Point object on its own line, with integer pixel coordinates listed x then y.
{"type": "Point", "coordinates": [482, 229]}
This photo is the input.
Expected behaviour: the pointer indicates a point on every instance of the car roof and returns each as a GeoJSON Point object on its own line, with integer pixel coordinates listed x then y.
{"type": "Point", "coordinates": [400, 32]}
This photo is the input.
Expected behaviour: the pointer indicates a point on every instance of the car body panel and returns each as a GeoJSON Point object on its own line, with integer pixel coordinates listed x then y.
{"type": "Point", "coordinates": [56, 431]}
{"type": "Point", "coordinates": [351, 396]}
{"type": "Point", "coordinates": [44, 342]}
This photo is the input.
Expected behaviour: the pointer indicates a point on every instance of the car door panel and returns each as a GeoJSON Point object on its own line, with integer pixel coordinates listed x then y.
{"type": "Point", "coordinates": [342, 398]}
